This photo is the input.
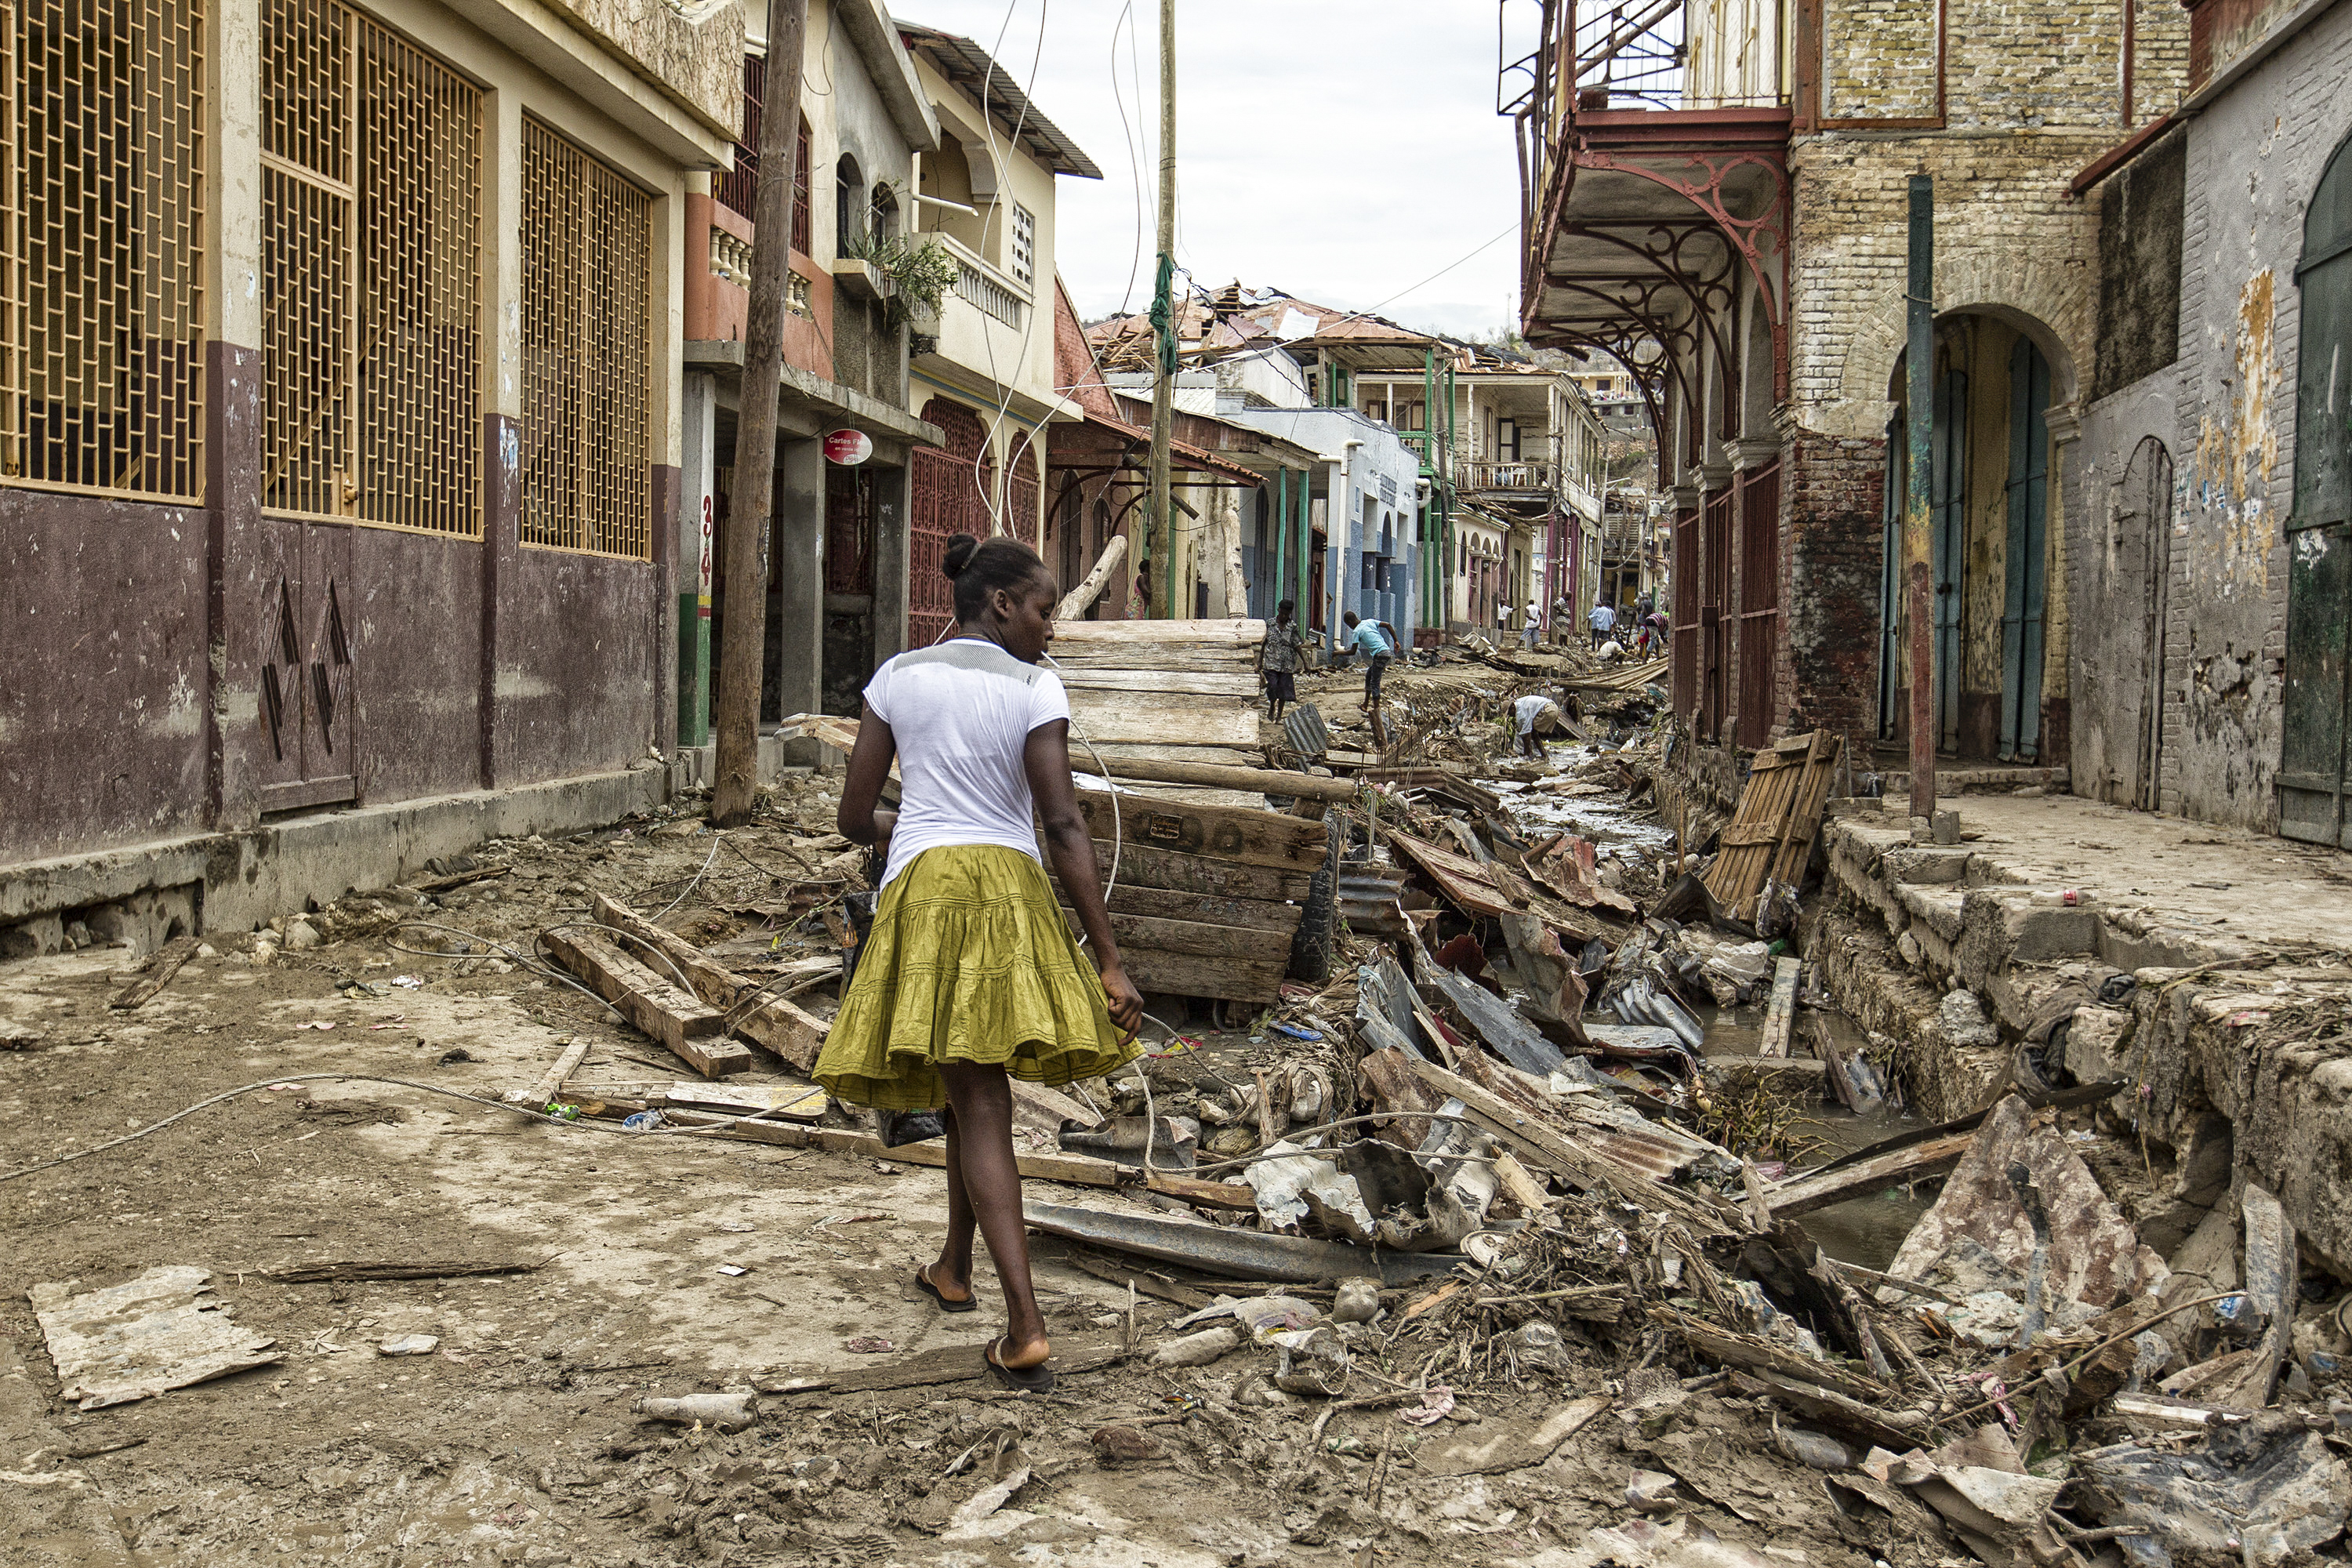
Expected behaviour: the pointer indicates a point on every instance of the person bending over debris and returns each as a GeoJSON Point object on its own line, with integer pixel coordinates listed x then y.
{"type": "Point", "coordinates": [1365, 637]}
{"type": "Point", "coordinates": [1278, 659]}
{"type": "Point", "coordinates": [1537, 715]}
{"type": "Point", "coordinates": [970, 972]}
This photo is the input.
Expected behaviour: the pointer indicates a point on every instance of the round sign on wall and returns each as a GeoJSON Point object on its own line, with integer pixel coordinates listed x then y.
{"type": "Point", "coordinates": [847, 447]}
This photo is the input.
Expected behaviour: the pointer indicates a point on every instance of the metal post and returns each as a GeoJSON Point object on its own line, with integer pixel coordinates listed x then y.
{"type": "Point", "coordinates": [1919, 425]}
{"type": "Point", "coordinates": [1281, 526]}
{"type": "Point", "coordinates": [743, 633]}
{"type": "Point", "coordinates": [1163, 310]}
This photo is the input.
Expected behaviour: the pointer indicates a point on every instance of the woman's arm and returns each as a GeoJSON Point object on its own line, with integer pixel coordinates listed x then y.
{"type": "Point", "coordinates": [861, 818]}
{"type": "Point", "coordinates": [1046, 761]}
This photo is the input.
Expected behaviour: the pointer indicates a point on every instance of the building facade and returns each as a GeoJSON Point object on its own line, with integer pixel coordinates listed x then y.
{"type": "Point", "coordinates": [1719, 202]}
{"type": "Point", "coordinates": [340, 460]}
{"type": "Point", "coordinates": [2213, 522]}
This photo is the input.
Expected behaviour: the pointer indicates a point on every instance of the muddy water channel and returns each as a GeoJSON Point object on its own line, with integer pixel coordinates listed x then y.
{"type": "Point", "coordinates": [1866, 1231]}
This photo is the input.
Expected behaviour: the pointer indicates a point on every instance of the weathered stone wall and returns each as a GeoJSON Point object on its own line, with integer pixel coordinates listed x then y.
{"type": "Point", "coordinates": [2225, 415]}
{"type": "Point", "coordinates": [1878, 59]}
{"type": "Point", "coordinates": [1833, 551]}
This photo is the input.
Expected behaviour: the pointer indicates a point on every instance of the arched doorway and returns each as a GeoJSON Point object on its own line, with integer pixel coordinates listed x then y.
{"type": "Point", "coordinates": [2315, 777]}
{"type": "Point", "coordinates": [1988, 506]}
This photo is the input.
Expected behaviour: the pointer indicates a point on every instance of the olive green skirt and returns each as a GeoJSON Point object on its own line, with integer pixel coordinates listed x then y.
{"type": "Point", "coordinates": [970, 960]}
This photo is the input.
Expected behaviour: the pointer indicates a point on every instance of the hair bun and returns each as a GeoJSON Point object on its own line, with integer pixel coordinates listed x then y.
{"type": "Point", "coordinates": [961, 547]}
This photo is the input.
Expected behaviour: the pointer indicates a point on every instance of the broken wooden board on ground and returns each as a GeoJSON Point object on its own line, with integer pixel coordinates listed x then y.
{"type": "Point", "coordinates": [1804, 1193]}
{"type": "Point", "coordinates": [1235, 1253]}
{"type": "Point", "coordinates": [693, 1033]}
{"type": "Point", "coordinates": [163, 964]}
{"type": "Point", "coordinates": [322, 1273]}
{"type": "Point", "coordinates": [138, 1339]}
{"type": "Point", "coordinates": [791, 1101]}
{"type": "Point", "coordinates": [945, 1363]}
{"type": "Point", "coordinates": [772, 1022]}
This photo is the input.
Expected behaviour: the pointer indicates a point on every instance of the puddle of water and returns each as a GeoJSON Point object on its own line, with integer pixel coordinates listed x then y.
{"type": "Point", "coordinates": [1606, 819]}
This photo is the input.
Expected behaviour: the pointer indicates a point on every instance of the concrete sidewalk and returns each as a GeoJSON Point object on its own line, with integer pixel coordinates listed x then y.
{"type": "Point", "coordinates": [2230, 948]}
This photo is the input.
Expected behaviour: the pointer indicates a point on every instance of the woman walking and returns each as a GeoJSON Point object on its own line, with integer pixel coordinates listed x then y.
{"type": "Point", "coordinates": [970, 972]}
{"type": "Point", "coordinates": [1279, 657]}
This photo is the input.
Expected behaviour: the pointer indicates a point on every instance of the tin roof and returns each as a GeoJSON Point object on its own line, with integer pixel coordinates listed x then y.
{"type": "Point", "coordinates": [968, 66]}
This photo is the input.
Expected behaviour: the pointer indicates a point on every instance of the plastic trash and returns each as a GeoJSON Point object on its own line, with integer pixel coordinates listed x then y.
{"type": "Point", "coordinates": [1356, 1301]}
{"type": "Point", "coordinates": [1314, 1361]}
{"type": "Point", "coordinates": [641, 1121]}
{"type": "Point", "coordinates": [1537, 1343]}
{"type": "Point", "coordinates": [1197, 1350]}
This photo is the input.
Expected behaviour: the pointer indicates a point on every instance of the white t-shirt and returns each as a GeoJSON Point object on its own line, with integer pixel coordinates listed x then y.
{"type": "Point", "coordinates": [1530, 709]}
{"type": "Point", "coordinates": [961, 712]}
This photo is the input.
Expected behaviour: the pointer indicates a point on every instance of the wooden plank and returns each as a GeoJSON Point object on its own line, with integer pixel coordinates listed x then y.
{"type": "Point", "coordinates": [691, 1031]}
{"type": "Point", "coordinates": [163, 964]}
{"type": "Point", "coordinates": [1746, 1351]}
{"type": "Point", "coordinates": [1189, 682]}
{"type": "Point", "coordinates": [795, 1102]}
{"type": "Point", "coordinates": [1114, 717]}
{"type": "Point", "coordinates": [773, 1023]}
{"type": "Point", "coordinates": [1820, 1189]}
{"type": "Point", "coordinates": [1220, 833]}
{"type": "Point", "coordinates": [1251, 914]}
{"type": "Point", "coordinates": [1141, 866]}
{"type": "Point", "coordinates": [943, 1365]}
{"type": "Point", "coordinates": [1215, 660]}
{"type": "Point", "coordinates": [1087, 634]}
{"type": "Point", "coordinates": [1189, 974]}
{"type": "Point", "coordinates": [1256, 781]}
{"type": "Point", "coordinates": [1782, 1011]}
{"type": "Point", "coordinates": [1144, 933]}
{"type": "Point", "coordinates": [551, 1082]}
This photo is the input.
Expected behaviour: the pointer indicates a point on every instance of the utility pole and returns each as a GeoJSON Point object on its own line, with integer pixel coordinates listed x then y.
{"type": "Point", "coordinates": [1163, 314]}
{"type": "Point", "coordinates": [744, 630]}
{"type": "Point", "coordinates": [1919, 430]}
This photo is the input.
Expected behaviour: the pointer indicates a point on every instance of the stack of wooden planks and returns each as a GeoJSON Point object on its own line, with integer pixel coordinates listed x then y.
{"type": "Point", "coordinates": [1208, 897]}
{"type": "Point", "coordinates": [1180, 691]}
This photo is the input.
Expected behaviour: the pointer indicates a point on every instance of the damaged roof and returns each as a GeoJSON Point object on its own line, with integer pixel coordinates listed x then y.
{"type": "Point", "coordinates": [966, 64]}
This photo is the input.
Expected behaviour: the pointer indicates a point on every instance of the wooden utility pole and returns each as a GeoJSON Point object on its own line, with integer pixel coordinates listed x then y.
{"type": "Point", "coordinates": [1163, 312]}
{"type": "Point", "coordinates": [743, 607]}
{"type": "Point", "coordinates": [1919, 429]}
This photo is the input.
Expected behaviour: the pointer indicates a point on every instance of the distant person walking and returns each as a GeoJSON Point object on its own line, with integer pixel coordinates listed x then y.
{"type": "Point", "coordinates": [1602, 620]}
{"type": "Point", "coordinates": [1279, 657]}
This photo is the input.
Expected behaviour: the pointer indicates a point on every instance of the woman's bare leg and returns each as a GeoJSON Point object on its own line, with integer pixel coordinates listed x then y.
{"type": "Point", "coordinates": [981, 1103]}
{"type": "Point", "coordinates": [951, 1275]}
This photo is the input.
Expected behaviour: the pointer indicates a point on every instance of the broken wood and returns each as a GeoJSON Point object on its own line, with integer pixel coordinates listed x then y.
{"type": "Point", "coordinates": [947, 1364]}
{"type": "Point", "coordinates": [163, 964]}
{"type": "Point", "coordinates": [1771, 835]}
{"type": "Point", "coordinates": [1750, 1353]}
{"type": "Point", "coordinates": [1803, 1195]}
{"type": "Point", "coordinates": [551, 1083]}
{"type": "Point", "coordinates": [1074, 603]}
{"type": "Point", "coordinates": [772, 1022]}
{"type": "Point", "coordinates": [1209, 776]}
{"type": "Point", "coordinates": [461, 878]}
{"type": "Point", "coordinates": [343, 1270]}
{"type": "Point", "coordinates": [690, 1030]}
{"type": "Point", "coordinates": [1157, 1286]}
{"type": "Point", "coordinates": [1782, 1011]}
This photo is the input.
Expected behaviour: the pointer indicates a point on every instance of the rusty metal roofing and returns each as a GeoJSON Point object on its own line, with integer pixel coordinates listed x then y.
{"type": "Point", "coordinates": [968, 66]}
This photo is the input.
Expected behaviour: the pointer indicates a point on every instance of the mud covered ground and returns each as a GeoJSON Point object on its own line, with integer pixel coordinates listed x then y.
{"type": "Point", "coordinates": [516, 1440]}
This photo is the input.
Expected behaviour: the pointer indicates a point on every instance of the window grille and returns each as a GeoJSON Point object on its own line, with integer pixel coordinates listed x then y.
{"type": "Point", "coordinates": [738, 189]}
{"type": "Point", "coordinates": [1024, 245]}
{"type": "Point", "coordinates": [371, 208]}
{"type": "Point", "coordinates": [587, 240]}
{"type": "Point", "coordinates": [101, 245]}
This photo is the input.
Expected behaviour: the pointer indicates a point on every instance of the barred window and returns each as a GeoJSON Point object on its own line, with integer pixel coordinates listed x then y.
{"type": "Point", "coordinates": [586, 244]}
{"type": "Point", "coordinates": [101, 245]}
{"type": "Point", "coordinates": [370, 208]}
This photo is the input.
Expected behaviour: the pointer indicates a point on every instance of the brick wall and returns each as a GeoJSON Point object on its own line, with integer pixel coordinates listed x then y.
{"type": "Point", "coordinates": [1878, 59]}
{"type": "Point", "coordinates": [1831, 556]}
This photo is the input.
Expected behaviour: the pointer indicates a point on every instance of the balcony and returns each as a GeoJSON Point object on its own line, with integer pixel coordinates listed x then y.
{"type": "Point", "coordinates": [1480, 474]}
{"type": "Point", "coordinates": [1655, 194]}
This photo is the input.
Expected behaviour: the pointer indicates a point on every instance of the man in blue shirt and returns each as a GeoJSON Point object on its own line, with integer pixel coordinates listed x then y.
{"type": "Point", "coordinates": [1603, 619]}
{"type": "Point", "coordinates": [1365, 637]}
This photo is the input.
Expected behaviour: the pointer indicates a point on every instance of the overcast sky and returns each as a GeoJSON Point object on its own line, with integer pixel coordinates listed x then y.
{"type": "Point", "coordinates": [1341, 150]}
